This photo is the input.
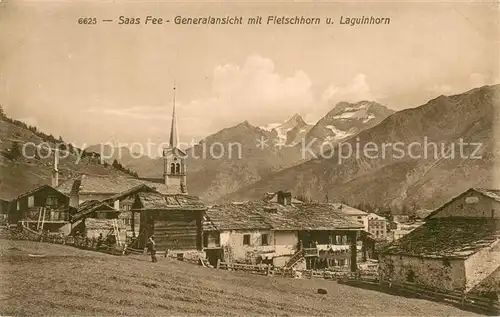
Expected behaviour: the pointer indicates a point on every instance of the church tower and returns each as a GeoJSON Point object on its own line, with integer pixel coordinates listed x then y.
{"type": "Point", "coordinates": [174, 160]}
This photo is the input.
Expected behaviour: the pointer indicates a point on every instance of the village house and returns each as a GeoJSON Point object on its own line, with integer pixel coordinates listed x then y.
{"type": "Point", "coordinates": [101, 187]}
{"type": "Point", "coordinates": [377, 226]}
{"type": "Point", "coordinates": [456, 249]}
{"type": "Point", "coordinates": [95, 218]}
{"type": "Point", "coordinates": [305, 234]}
{"type": "Point", "coordinates": [233, 234]}
{"type": "Point", "coordinates": [403, 228]}
{"type": "Point", "coordinates": [175, 221]}
{"type": "Point", "coordinates": [42, 208]}
{"type": "Point", "coordinates": [353, 214]}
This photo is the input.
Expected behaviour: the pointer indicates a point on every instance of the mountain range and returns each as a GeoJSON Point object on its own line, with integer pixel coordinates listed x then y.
{"type": "Point", "coordinates": [426, 176]}
{"type": "Point", "coordinates": [314, 161]}
{"type": "Point", "coordinates": [243, 154]}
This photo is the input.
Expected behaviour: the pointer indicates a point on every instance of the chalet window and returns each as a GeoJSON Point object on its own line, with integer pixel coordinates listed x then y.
{"type": "Point", "coordinates": [31, 201]}
{"type": "Point", "coordinates": [265, 239]}
{"type": "Point", "coordinates": [51, 201]}
{"type": "Point", "coordinates": [410, 276]}
{"type": "Point", "coordinates": [205, 239]}
{"type": "Point", "coordinates": [246, 239]}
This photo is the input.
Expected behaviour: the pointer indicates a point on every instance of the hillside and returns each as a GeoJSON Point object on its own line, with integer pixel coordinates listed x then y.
{"type": "Point", "coordinates": [21, 174]}
{"type": "Point", "coordinates": [391, 180]}
{"type": "Point", "coordinates": [65, 281]}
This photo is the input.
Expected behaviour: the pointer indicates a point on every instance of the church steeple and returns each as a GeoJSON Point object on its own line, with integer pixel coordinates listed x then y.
{"type": "Point", "coordinates": [174, 135]}
{"type": "Point", "coordinates": [174, 160]}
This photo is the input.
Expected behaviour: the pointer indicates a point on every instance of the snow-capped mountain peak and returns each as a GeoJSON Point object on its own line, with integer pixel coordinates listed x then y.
{"type": "Point", "coordinates": [289, 131]}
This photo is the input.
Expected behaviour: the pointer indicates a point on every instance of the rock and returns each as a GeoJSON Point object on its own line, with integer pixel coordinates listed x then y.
{"type": "Point", "coordinates": [322, 291]}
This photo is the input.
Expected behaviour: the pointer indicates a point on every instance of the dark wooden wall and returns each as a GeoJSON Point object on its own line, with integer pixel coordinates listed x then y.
{"type": "Point", "coordinates": [173, 230]}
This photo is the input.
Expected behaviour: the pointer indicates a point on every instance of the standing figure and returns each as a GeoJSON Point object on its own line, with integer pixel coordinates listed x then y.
{"type": "Point", "coordinates": [152, 249]}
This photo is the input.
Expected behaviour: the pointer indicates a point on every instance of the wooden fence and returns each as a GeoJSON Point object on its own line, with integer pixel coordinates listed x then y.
{"type": "Point", "coordinates": [25, 233]}
{"type": "Point", "coordinates": [286, 272]}
{"type": "Point", "coordinates": [459, 299]}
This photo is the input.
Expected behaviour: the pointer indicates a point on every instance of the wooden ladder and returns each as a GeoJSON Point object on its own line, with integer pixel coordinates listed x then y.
{"type": "Point", "coordinates": [41, 219]}
{"type": "Point", "coordinates": [116, 232]}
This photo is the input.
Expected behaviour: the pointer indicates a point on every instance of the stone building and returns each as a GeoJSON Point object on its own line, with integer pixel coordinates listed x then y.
{"type": "Point", "coordinates": [456, 249]}
{"type": "Point", "coordinates": [317, 235]}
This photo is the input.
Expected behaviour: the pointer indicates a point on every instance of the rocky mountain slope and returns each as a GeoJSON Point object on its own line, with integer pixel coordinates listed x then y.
{"type": "Point", "coordinates": [291, 132]}
{"type": "Point", "coordinates": [19, 173]}
{"type": "Point", "coordinates": [343, 121]}
{"type": "Point", "coordinates": [413, 171]}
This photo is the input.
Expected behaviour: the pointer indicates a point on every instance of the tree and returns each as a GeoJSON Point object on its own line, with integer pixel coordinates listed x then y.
{"type": "Point", "coordinates": [2, 112]}
{"type": "Point", "coordinates": [14, 151]}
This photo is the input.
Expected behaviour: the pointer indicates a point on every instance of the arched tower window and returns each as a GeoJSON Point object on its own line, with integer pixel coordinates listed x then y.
{"type": "Point", "coordinates": [177, 168]}
{"type": "Point", "coordinates": [172, 168]}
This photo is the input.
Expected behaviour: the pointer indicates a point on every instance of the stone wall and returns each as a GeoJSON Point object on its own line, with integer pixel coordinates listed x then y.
{"type": "Point", "coordinates": [233, 241]}
{"type": "Point", "coordinates": [471, 204]}
{"type": "Point", "coordinates": [481, 264]}
{"type": "Point", "coordinates": [439, 273]}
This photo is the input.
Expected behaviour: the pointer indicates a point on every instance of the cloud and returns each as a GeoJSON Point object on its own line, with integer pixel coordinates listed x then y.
{"type": "Point", "coordinates": [253, 91]}
{"type": "Point", "coordinates": [441, 89]}
{"type": "Point", "coordinates": [477, 80]}
{"type": "Point", "coordinates": [355, 90]}
{"type": "Point", "coordinates": [256, 91]}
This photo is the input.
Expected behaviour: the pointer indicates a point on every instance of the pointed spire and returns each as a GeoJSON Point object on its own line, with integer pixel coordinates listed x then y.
{"type": "Point", "coordinates": [174, 136]}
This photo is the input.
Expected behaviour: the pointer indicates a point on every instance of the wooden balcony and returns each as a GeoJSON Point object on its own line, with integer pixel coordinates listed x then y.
{"type": "Point", "coordinates": [309, 252]}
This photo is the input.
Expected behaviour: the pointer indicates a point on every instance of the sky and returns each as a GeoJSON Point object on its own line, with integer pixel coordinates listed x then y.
{"type": "Point", "coordinates": [113, 83]}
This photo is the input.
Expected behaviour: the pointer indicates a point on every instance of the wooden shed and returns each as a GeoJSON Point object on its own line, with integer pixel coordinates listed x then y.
{"type": "Point", "coordinates": [174, 220]}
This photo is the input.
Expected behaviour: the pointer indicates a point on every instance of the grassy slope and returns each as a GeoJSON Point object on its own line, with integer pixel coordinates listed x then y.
{"type": "Point", "coordinates": [69, 281]}
{"type": "Point", "coordinates": [24, 174]}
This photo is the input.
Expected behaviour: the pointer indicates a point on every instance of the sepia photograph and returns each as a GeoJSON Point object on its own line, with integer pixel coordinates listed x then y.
{"type": "Point", "coordinates": [249, 158]}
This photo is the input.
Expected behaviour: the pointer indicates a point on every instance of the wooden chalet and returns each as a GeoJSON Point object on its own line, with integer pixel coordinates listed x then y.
{"type": "Point", "coordinates": [96, 217]}
{"type": "Point", "coordinates": [174, 220]}
{"type": "Point", "coordinates": [43, 207]}
{"type": "Point", "coordinates": [318, 233]}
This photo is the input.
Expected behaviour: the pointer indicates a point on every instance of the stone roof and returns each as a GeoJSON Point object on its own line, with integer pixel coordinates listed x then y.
{"type": "Point", "coordinates": [236, 217]}
{"type": "Point", "coordinates": [261, 214]}
{"type": "Point", "coordinates": [157, 201]}
{"type": "Point", "coordinates": [447, 238]}
{"type": "Point", "coordinates": [272, 197]}
{"type": "Point", "coordinates": [39, 188]}
{"type": "Point", "coordinates": [348, 210]}
{"type": "Point", "coordinates": [112, 185]}
{"type": "Point", "coordinates": [103, 224]}
{"type": "Point", "coordinates": [130, 191]}
{"type": "Point", "coordinates": [491, 193]}
{"type": "Point", "coordinates": [90, 206]}
{"type": "Point", "coordinates": [207, 224]}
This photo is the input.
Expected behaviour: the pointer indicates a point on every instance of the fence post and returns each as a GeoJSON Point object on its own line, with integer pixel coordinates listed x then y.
{"type": "Point", "coordinates": [218, 263]}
